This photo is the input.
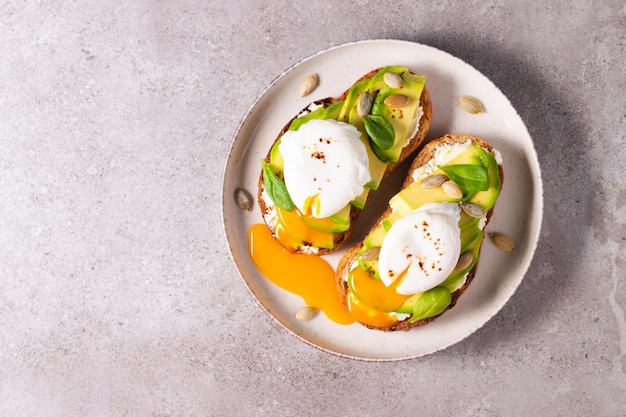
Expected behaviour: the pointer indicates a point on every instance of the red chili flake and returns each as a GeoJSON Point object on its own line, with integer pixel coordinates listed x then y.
{"type": "Point", "coordinates": [319, 155]}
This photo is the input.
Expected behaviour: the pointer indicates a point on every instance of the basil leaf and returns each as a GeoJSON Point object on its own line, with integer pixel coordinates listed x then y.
{"type": "Point", "coordinates": [276, 188]}
{"type": "Point", "coordinates": [468, 177]}
{"type": "Point", "coordinates": [431, 303]}
{"type": "Point", "coordinates": [380, 154]}
{"type": "Point", "coordinates": [380, 131]}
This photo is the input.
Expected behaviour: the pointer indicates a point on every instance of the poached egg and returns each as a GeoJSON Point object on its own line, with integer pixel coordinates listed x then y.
{"type": "Point", "coordinates": [325, 166]}
{"type": "Point", "coordinates": [422, 248]}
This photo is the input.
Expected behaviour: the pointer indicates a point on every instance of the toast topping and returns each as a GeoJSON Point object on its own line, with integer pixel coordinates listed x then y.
{"type": "Point", "coordinates": [423, 258]}
{"type": "Point", "coordinates": [325, 166]}
{"type": "Point", "coordinates": [321, 184]}
{"type": "Point", "coordinates": [424, 246]}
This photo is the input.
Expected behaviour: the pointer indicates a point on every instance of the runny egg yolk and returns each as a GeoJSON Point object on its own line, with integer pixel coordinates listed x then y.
{"type": "Point", "coordinates": [308, 276]}
{"type": "Point", "coordinates": [292, 231]}
{"type": "Point", "coordinates": [374, 299]}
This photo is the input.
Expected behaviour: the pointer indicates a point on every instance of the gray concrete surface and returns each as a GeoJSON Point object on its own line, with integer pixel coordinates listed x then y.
{"type": "Point", "coordinates": [117, 293]}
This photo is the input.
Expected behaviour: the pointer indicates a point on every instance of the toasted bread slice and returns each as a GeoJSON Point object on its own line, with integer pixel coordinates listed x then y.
{"type": "Point", "coordinates": [349, 259]}
{"type": "Point", "coordinates": [266, 205]}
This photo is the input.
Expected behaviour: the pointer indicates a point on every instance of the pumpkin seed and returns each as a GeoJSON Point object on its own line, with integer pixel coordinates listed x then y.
{"type": "Point", "coordinates": [244, 199]}
{"type": "Point", "coordinates": [306, 313]}
{"type": "Point", "coordinates": [473, 210]}
{"type": "Point", "coordinates": [396, 100]}
{"type": "Point", "coordinates": [464, 260]}
{"type": "Point", "coordinates": [470, 105]}
{"type": "Point", "coordinates": [502, 241]}
{"type": "Point", "coordinates": [370, 254]}
{"type": "Point", "coordinates": [451, 189]}
{"type": "Point", "coordinates": [392, 79]}
{"type": "Point", "coordinates": [364, 104]}
{"type": "Point", "coordinates": [309, 84]}
{"type": "Point", "coordinates": [434, 181]}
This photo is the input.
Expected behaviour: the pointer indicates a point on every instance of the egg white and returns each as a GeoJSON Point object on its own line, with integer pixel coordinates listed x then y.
{"type": "Point", "coordinates": [424, 245]}
{"type": "Point", "coordinates": [325, 166]}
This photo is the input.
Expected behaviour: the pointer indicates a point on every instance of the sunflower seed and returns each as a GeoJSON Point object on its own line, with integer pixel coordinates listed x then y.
{"type": "Point", "coordinates": [452, 190]}
{"type": "Point", "coordinates": [364, 104]}
{"type": "Point", "coordinates": [470, 105]}
{"type": "Point", "coordinates": [392, 79]}
{"type": "Point", "coordinates": [397, 100]}
{"type": "Point", "coordinates": [502, 241]}
{"type": "Point", "coordinates": [473, 210]}
{"type": "Point", "coordinates": [370, 254]}
{"type": "Point", "coordinates": [465, 260]}
{"type": "Point", "coordinates": [434, 181]}
{"type": "Point", "coordinates": [309, 84]}
{"type": "Point", "coordinates": [244, 199]}
{"type": "Point", "coordinates": [306, 313]}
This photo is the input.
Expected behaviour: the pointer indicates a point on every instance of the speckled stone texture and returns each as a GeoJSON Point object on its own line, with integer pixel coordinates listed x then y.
{"type": "Point", "coordinates": [117, 293]}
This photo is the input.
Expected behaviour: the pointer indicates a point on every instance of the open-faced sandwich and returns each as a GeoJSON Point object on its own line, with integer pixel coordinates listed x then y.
{"type": "Point", "coordinates": [317, 174]}
{"type": "Point", "coordinates": [423, 252]}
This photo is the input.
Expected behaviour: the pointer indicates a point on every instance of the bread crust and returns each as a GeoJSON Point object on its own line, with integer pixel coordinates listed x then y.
{"type": "Point", "coordinates": [348, 259]}
{"type": "Point", "coordinates": [415, 142]}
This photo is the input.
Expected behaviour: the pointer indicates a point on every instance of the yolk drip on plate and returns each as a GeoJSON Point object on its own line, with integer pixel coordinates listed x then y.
{"type": "Point", "coordinates": [308, 276]}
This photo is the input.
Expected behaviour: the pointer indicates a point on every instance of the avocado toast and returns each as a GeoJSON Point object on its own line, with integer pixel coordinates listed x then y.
{"type": "Point", "coordinates": [389, 281]}
{"type": "Point", "coordinates": [389, 111]}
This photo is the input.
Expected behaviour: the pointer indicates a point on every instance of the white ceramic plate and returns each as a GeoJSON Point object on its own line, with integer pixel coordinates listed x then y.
{"type": "Point", "coordinates": [518, 212]}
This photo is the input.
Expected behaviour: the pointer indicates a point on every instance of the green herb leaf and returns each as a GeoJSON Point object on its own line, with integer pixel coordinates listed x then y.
{"type": "Point", "coordinates": [468, 177]}
{"type": "Point", "coordinates": [380, 131]}
{"type": "Point", "coordinates": [276, 188]}
{"type": "Point", "coordinates": [380, 154]}
{"type": "Point", "coordinates": [431, 303]}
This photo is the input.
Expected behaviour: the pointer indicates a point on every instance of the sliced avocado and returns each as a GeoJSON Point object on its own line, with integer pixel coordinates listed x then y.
{"type": "Point", "coordinates": [359, 202]}
{"type": "Point", "coordinates": [343, 215]}
{"type": "Point", "coordinates": [415, 196]}
{"type": "Point", "coordinates": [338, 222]}
{"type": "Point", "coordinates": [352, 99]}
{"type": "Point", "coordinates": [277, 163]}
{"type": "Point", "coordinates": [390, 220]}
{"type": "Point", "coordinates": [487, 199]}
{"type": "Point", "coordinates": [376, 166]}
{"type": "Point", "coordinates": [371, 267]}
{"type": "Point", "coordinates": [326, 224]}
{"type": "Point", "coordinates": [400, 118]}
{"type": "Point", "coordinates": [375, 237]}
{"type": "Point", "coordinates": [407, 307]}
{"type": "Point", "coordinates": [320, 113]}
{"type": "Point", "coordinates": [350, 115]}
